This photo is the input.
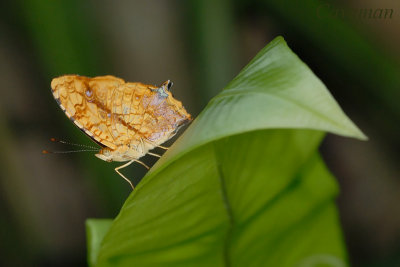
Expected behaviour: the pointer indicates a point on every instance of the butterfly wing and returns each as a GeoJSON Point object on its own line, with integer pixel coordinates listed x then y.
{"type": "Point", "coordinates": [163, 116]}
{"type": "Point", "coordinates": [87, 103]}
{"type": "Point", "coordinates": [117, 114]}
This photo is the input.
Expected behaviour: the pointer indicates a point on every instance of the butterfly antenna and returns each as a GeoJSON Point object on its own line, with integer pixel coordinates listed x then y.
{"type": "Point", "coordinates": [71, 144]}
{"type": "Point", "coordinates": [70, 151]}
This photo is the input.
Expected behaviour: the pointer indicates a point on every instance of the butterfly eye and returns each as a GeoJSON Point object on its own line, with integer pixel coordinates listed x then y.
{"type": "Point", "coordinates": [169, 85]}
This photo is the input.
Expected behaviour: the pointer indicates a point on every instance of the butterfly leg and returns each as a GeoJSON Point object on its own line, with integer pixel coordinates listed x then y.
{"type": "Point", "coordinates": [163, 147]}
{"type": "Point", "coordinates": [123, 166]}
{"type": "Point", "coordinates": [138, 161]}
{"type": "Point", "coordinates": [126, 165]}
{"type": "Point", "coordinates": [154, 154]}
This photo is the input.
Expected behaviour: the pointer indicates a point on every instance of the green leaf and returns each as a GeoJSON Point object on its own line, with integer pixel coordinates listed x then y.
{"type": "Point", "coordinates": [244, 185]}
{"type": "Point", "coordinates": [96, 229]}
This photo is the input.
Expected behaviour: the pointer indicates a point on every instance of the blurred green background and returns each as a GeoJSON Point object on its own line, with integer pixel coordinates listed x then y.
{"type": "Point", "coordinates": [353, 46]}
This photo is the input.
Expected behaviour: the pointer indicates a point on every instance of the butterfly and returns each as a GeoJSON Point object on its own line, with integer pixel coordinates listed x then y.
{"type": "Point", "coordinates": [127, 119]}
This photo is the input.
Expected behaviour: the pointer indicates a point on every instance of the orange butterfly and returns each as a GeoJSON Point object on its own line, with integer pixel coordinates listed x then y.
{"type": "Point", "coordinates": [126, 119]}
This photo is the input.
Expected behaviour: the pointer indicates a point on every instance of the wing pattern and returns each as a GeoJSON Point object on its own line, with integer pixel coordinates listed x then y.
{"type": "Point", "coordinates": [118, 114]}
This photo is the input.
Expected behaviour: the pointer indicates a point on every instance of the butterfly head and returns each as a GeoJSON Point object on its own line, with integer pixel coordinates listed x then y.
{"type": "Point", "coordinates": [163, 90]}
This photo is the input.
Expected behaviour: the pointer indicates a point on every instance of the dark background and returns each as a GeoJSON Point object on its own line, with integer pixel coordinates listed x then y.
{"type": "Point", "coordinates": [200, 45]}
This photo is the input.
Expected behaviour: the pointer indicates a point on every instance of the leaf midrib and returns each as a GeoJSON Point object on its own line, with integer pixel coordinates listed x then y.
{"type": "Point", "coordinates": [227, 206]}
